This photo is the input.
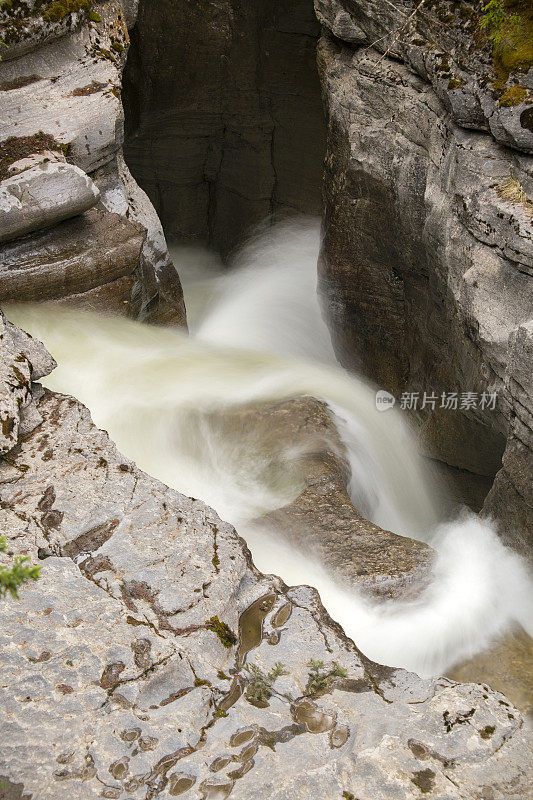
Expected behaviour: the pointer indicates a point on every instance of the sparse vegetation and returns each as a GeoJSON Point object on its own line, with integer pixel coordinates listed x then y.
{"type": "Point", "coordinates": [320, 676]}
{"type": "Point", "coordinates": [514, 96]}
{"type": "Point", "coordinates": [499, 25]}
{"type": "Point", "coordinates": [15, 574]}
{"type": "Point", "coordinates": [17, 147]}
{"type": "Point", "coordinates": [509, 26]}
{"type": "Point", "coordinates": [261, 684]}
{"type": "Point", "coordinates": [512, 191]}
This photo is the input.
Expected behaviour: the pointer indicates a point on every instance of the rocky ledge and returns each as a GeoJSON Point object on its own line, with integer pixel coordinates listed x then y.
{"type": "Point", "coordinates": [152, 659]}
{"type": "Point", "coordinates": [71, 216]}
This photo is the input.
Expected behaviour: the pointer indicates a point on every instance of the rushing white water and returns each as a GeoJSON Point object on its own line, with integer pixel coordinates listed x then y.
{"type": "Point", "coordinates": [259, 336]}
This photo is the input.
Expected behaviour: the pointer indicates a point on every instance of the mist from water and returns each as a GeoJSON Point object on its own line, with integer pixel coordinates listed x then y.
{"type": "Point", "coordinates": [257, 335]}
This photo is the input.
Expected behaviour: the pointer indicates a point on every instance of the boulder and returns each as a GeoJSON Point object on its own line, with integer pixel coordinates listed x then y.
{"type": "Point", "coordinates": [323, 521]}
{"type": "Point", "coordinates": [41, 196]}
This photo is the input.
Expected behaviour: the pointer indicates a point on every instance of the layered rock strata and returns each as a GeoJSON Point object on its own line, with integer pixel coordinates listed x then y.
{"type": "Point", "coordinates": [61, 169]}
{"type": "Point", "coordinates": [428, 239]}
{"type": "Point", "coordinates": [224, 120]}
{"type": "Point", "coordinates": [152, 659]}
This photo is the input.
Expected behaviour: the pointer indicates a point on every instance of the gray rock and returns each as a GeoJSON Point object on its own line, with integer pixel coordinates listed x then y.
{"type": "Point", "coordinates": [232, 130]}
{"type": "Point", "coordinates": [342, 25]}
{"type": "Point", "coordinates": [43, 195]}
{"type": "Point", "coordinates": [76, 256]}
{"type": "Point", "coordinates": [444, 44]}
{"type": "Point", "coordinates": [33, 160]}
{"type": "Point", "coordinates": [115, 682]}
{"type": "Point", "coordinates": [427, 261]}
{"type": "Point", "coordinates": [322, 521]}
{"type": "Point", "coordinates": [23, 359]}
{"type": "Point", "coordinates": [66, 84]}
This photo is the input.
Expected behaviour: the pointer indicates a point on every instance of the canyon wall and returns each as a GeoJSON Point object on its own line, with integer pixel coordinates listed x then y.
{"type": "Point", "coordinates": [74, 226]}
{"type": "Point", "coordinates": [427, 260]}
{"type": "Point", "coordinates": [224, 118]}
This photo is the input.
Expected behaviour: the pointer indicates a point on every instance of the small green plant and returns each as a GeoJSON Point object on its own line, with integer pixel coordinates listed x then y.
{"type": "Point", "coordinates": [320, 677]}
{"type": "Point", "coordinates": [493, 20]}
{"type": "Point", "coordinates": [511, 35]}
{"type": "Point", "coordinates": [15, 574]}
{"type": "Point", "coordinates": [260, 687]}
{"type": "Point", "coordinates": [222, 630]}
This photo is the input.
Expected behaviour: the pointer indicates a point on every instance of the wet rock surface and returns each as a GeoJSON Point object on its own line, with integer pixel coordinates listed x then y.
{"type": "Point", "coordinates": [506, 665]}
{"type": "Point", "coordinates": [116, 663]}
{"type": "Point", "coordinates": [60, 93]}
{"type": "Point", "coordinates": [322, 521]}
{"type": "Point", "coordinates": [427, 265]}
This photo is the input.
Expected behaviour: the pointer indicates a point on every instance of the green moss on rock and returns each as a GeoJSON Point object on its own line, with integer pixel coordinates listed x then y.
{"type": "Point", "coordinates": [514, 96]}
{"type": "Point", "coordinates": [222, 630]}
{"type": "Point", "coordinates": [454, 83]}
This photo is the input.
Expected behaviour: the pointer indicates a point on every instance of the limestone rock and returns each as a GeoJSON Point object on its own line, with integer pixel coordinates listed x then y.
{"type": "Point", "coordinates": [63, 94]}
{"type": "Point", "coordinates": [42, 196]}
{"type": "Point", "coordinates": [28, 24]}
{"type": "Point", "coordinates": [427, 262]}
{"type": "Point", "coordinates": [78, 255]}
{"type": "Point", "coordinates": [47, 156]}
{"type": "Point", "coordinates": [139, 664]}
{"type": "Point", "coordinates": [23, 359]}
{"type": "Point", "coordinates": [506, 665]}
{"type": "Point", "coordinates": [481, 87]}
{"type": "Point", "coordinates": [322, 521]}
{"type": "Point", "coordinates": [342, 25]}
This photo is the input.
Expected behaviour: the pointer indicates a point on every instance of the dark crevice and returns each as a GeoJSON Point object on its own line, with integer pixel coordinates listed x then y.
{"type": "Point", "coordinates": [224, 130]}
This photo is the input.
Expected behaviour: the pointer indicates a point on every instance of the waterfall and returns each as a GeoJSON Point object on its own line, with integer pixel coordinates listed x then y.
{"type": "Point", "coordinates": [257, 335]}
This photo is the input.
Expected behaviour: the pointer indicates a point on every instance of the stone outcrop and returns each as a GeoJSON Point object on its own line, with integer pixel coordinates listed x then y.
{"type": "Point", "coordinates": [60, 101]}
{"type": "Point", "coordinates": [224, 118]}
{"type": "Point", "coordinates": [41, 196]}
{"type": "Point", "coordinates": [322, 521]}
{"type": "Point", "coordinates": [151, 657]}
{"type": "Point", "coordinates": [427, 259]}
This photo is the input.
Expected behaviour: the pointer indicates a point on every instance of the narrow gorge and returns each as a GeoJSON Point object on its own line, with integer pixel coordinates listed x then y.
{"type": "Point", "coordinates": [266, 399]}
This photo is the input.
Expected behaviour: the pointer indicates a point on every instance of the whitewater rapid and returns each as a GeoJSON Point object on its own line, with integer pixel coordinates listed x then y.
{"type": "Point", "coordinates": [257, 335]}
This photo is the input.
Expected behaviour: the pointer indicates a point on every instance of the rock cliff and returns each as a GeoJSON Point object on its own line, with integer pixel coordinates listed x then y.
{"type": "Point", "coordinates": [75, 227]}
{"type": "Point", "coordinates": [152, 659]}
{"type": "Point", "coordinates": [427, 259]}
{"type": "Point", "coordinates": [224, 117]}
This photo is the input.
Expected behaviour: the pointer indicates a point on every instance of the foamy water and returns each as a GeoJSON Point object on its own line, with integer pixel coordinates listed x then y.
{"type": "Point", "coordinates": [258, 336]}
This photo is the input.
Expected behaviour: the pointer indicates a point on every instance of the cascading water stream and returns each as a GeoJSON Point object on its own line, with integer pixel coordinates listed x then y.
{"type": "Point", "coordinates": [257, 335]}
